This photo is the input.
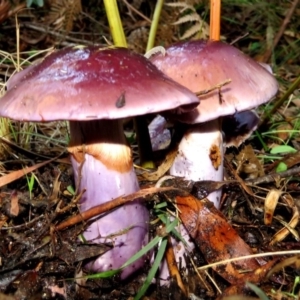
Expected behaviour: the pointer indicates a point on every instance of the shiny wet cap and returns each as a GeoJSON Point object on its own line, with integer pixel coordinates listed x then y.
{"type": "Point", "coordinates": [88, 83]}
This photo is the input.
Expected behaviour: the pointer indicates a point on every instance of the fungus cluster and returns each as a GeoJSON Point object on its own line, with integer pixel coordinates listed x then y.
{"type": "Point", "coordinates": [201, 65]}
{"type": "Point", "coordinates": [94, 89]}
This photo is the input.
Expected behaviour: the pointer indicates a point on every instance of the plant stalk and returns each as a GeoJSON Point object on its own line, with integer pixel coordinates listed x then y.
{"type": "Point", "coordinates": [215, 20]}
{"type": "Point", "coordinates": [115, 24]}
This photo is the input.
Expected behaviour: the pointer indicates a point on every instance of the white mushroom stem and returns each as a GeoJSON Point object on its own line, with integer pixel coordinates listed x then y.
{"type": "Point", "coordinates": [200, 156]}
{"type": "Point", "coordinates": [103, 166]}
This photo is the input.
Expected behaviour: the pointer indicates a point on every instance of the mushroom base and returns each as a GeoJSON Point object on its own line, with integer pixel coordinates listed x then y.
{"type": "Point", "coordinates": [200, 156]}
{"type": "Point", "coordinates": [125, 227]}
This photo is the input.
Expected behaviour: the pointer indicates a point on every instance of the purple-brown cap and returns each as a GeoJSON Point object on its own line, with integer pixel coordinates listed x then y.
{"type": "Point", "coordinates": [88, 83]}
{"type": "Point", "coordinates": [200, 65]}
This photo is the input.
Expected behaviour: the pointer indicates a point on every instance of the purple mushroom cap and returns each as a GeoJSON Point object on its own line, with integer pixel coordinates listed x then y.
{"type": "Point", "coordinates": [68, 84]}
{"type": "Point", "coordinates": [200, 65]}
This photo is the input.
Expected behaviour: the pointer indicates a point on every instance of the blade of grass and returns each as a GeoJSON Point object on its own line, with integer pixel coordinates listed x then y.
{"type": "Point", "coordinates": [135, 257]}
{"type": "Point", "coordinates": [153, 270]}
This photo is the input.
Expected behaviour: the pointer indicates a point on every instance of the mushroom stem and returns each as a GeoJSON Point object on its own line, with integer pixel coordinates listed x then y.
{"type": "Point", "coordinates": [200, 156]}
{"type": "Point", "coordinates": [103, 166]}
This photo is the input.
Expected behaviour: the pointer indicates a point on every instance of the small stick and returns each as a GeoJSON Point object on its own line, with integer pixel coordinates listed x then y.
{"type": "Point", "coordinates": [273, 176]}
{"type": "Point", "coordinates": [136, 11]}
{"type": "Point", "coordinates": [99, 209]}
{"type": "Point", "coordinates": [216, 87]}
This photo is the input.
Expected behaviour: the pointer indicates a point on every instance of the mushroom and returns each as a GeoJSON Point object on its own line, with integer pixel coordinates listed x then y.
{"type": "Point", "coordinates": [94, 89]}
{"type": "Point", "coordinates": [200, 65]}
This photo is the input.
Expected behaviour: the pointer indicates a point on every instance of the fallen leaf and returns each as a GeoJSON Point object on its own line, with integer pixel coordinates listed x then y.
{"type": "Point", "coordinates": [283, 131]}
{"type": "Point", "coordinates": [216, 238]}
{"type": "Point", "coordinates": [270, 205]}
{"type": "Point", "coordinates": [14, 204]}
{"type": "Point", "coordinates": [162, 169]}
{"type": "Point", "coordinates": [291, 225]}
{"type": "Point", "coordinates": [248, 162]}
{"type": "Point", "coordinates": [6, 179]}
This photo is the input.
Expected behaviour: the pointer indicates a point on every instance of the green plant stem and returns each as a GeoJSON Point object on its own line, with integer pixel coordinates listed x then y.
{"type": "Point", "coordinates": [115, 24]}
{"type": "Point", "coordinates": [258, 135]}
{"type": "Point", "coordinates": [154, 24]}
{"type": "Point", "coordinates": [280, 101]}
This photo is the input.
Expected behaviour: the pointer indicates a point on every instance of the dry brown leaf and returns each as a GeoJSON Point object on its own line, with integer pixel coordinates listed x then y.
{"type": "Point", "coordinates": [3, 220]}
{"type": "Point", "coordinates": [216, 238]}
{"type": "Point", "coordinates": [6, 179]}
{"type": "Point", "coordinates": [162, 169]}
{"type": "Point", "coordinates": [172, 266]}
{"type": "Point", "coordinates": [257, 277]}
{"type": "Point", "coordinates": [285, 263]}
{"type": "Point", "coordinates": [270, 205]}
{"type": "Point", "coordinates": [248, 162]}
{"type": "Point", "coordinates": [14, 204]}
{"type": "Point", "coordinates": [280, 131]}
{"type": "Point", "coordinates": [289, 227]}
{"type": "Point", "coordinates": [5, 6]}
{"type": "Point", "coordinates": [56, 189]}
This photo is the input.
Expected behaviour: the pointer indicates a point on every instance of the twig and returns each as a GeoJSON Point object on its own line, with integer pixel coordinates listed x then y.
{"type": "Point", "coordinates": [26, 224]}
{"type": "Point", "coordinates": [215, 87]}
{"type": "Point", "coordinates": [136, 11]}
{"type": "Point", "coordinates": [239, 38]}
{"type": "Point", "coordinates": [99, 209]}
{"type": "Point", "coordinates": [46, 29]}
{"type": "Point", "coordinates": [273, 176]}
{"type": "Point", "coordinates": [281, 30]}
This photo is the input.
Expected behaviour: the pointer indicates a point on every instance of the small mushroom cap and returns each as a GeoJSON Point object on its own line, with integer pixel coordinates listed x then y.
{"type": "Point", "coordinates": [200, 65]}
{"type": "Point", "coordinates": [86, 83]}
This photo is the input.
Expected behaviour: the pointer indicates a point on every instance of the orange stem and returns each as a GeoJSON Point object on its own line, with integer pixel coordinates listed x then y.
{"type": "Point", "coordinates": [215, 19]}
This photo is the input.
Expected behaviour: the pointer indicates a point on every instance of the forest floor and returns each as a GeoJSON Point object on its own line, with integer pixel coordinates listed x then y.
{"type": "Point", "coordinates": [39, 260]}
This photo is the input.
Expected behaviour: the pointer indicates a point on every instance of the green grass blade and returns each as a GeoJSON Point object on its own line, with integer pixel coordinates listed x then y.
{"type": "Point", "coordinates": [153, 270]}
{"type": "Point", "coordinates": [154, 24]}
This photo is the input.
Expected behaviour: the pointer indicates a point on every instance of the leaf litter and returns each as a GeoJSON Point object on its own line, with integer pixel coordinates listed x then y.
{"type": "Point", "coordinates": [38, 253]}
